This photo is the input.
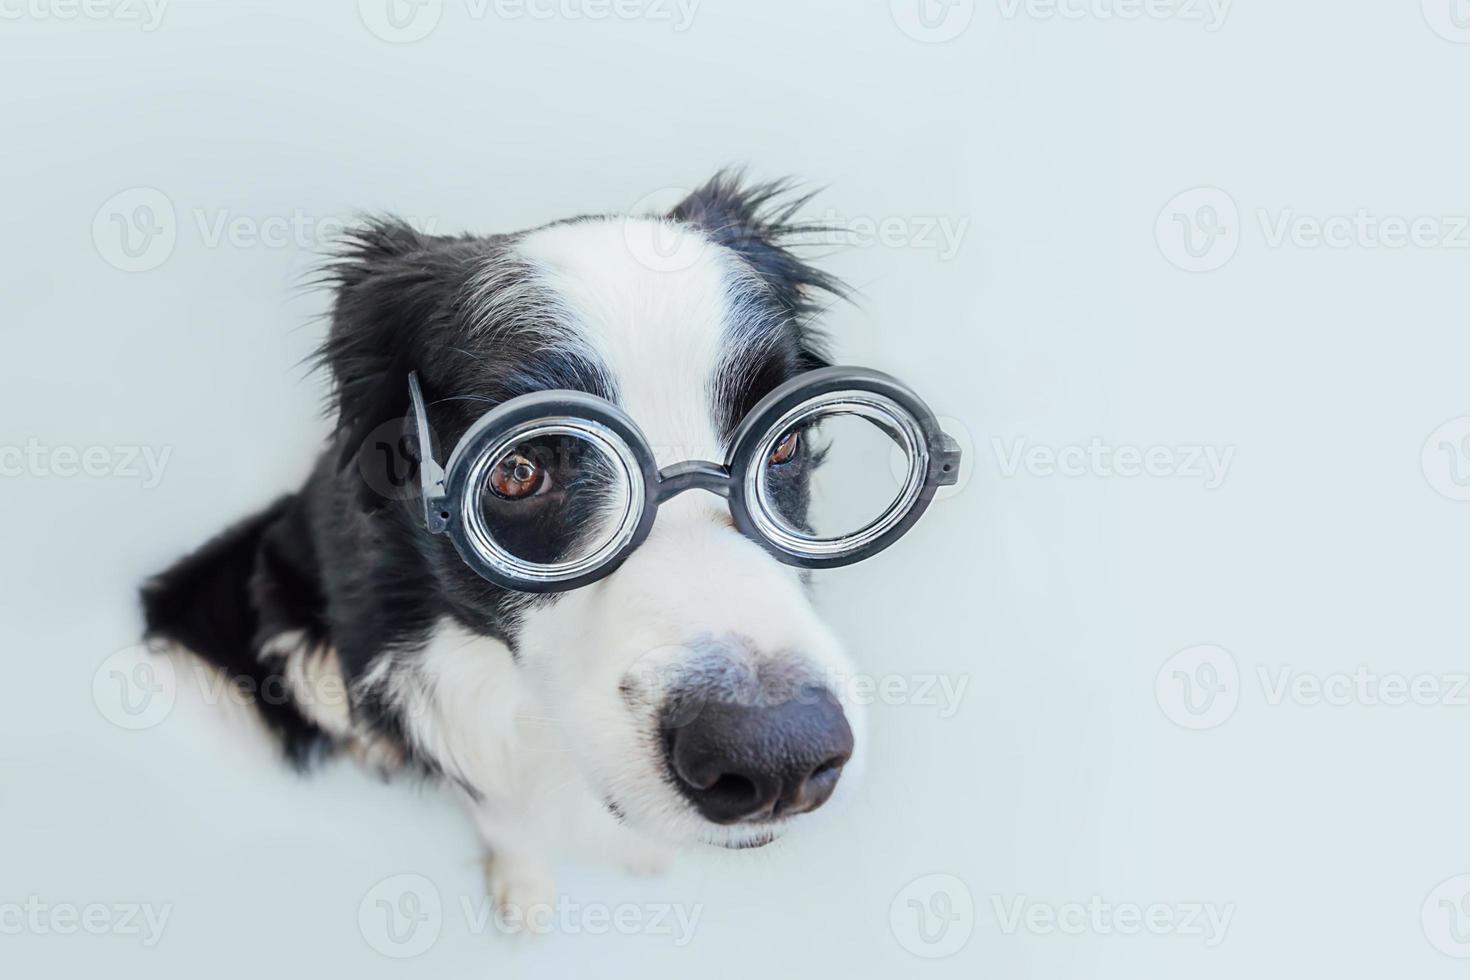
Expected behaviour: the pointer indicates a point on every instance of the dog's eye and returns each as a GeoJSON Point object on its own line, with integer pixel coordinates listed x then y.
{"type": "Point", "coordinates": [517, 476]}
{"type": "Point", "coordinates": [786, 448]}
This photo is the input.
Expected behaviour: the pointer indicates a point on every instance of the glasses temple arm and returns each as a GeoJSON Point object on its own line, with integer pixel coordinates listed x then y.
{"type": "Point", "coordinates": [431, 474]}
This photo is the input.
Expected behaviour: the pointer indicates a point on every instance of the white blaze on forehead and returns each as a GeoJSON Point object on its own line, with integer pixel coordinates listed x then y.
{"type": "Point", "coordinates": [660, 334]}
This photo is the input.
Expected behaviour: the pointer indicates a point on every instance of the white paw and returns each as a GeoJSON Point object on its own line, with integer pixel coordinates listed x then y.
{"type": "Point", "coordinates": [648, 861]}
{"type": "Point", "coordinates": [631, 852]}
{"type": "Point", "coordinates": [523, 891]}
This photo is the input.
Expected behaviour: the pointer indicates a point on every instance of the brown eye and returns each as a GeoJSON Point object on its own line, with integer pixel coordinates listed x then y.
{"type": "Point", "coordinates": [785, 449]}
{"type": "Point", "coordinates": [516, 476]}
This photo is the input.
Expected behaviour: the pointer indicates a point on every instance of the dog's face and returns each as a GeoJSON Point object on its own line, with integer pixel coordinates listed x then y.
{"type": "Point", "coordinates": [695, 688]}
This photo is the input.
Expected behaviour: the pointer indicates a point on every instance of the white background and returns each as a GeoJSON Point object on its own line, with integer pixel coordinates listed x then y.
{"type": "Point", "coordinates": [1073, 766]}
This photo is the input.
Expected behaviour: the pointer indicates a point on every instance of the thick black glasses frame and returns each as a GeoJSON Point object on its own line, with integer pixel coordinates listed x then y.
{"type": "Point", "coordinates": [446, 489]}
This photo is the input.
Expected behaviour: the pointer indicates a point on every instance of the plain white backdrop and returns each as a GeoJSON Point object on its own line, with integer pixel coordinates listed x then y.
{"type": "Point", "coordinates": [1189, 277]}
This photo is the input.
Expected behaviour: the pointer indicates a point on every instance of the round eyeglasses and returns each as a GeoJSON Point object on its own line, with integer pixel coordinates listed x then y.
{"type": "Point", "coordinates": [553, 490]}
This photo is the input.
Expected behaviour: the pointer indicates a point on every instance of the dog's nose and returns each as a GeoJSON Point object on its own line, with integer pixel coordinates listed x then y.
{"type": "Point", "coordinates": [746, 763]}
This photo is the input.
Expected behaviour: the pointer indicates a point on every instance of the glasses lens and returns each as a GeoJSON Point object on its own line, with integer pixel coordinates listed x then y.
{"type": "Point", "coordinates": [555, 500]}
{"type": "Point", "coordinates": [826, 479]}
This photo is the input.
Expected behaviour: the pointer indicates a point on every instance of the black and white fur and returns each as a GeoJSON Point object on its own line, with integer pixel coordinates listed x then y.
{"type": "Point", "coordinates": [535, 708]}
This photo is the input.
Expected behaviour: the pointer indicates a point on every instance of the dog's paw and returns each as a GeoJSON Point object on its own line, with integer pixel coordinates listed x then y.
{"type": "Point", "coordinates": [647, 860]}
{"type": "Point", "coordinates": [522, 890]}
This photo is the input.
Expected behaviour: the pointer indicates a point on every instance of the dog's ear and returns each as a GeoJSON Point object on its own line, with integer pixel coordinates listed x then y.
{"type": "Point", "coordinates": [758, 222]}
{"type": "Point", "coordinates": [392, 285]}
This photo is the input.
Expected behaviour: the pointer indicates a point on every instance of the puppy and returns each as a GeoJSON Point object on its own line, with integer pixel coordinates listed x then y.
{"type": "Point", "coordinates": [560, 718]}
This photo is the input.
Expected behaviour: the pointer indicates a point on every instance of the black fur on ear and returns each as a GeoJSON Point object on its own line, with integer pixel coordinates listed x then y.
{"type": "Point", "coordinates": [758, 221]}
{"type": "Point", "coordinates": [389, 287]}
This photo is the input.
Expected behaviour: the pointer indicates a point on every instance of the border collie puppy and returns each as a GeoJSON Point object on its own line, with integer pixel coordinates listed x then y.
{"type": "Point", "coordinates": [550, 714]}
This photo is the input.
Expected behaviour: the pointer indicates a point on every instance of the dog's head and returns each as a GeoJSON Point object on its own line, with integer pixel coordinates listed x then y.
{"type": "Point", "coordinates": [695, 687]}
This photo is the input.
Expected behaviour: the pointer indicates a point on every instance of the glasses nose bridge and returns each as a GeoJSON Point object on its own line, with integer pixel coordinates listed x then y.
{"type": "Point", "coordinates": [692, 474]}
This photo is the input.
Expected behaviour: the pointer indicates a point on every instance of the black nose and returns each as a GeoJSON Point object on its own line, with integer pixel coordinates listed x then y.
{"type": "Point", "coordinates": [741, 762]}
